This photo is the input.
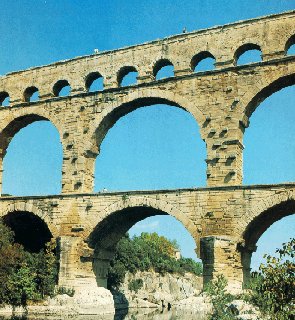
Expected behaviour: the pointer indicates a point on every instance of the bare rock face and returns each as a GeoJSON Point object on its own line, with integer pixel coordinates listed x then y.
{"type": "Point", "coordinates": [96, 302]}
{"type": "Point", "coordinates": [157, 291]}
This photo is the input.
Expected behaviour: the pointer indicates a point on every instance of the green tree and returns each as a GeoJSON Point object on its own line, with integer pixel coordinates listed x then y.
{"type": "Point", "coordinates": [12, 256]}
{"type": "Point", "coordinates": [148, 252]}
{"type": "Point", "coordinates": [22, 286]}
{"type": "Point", "coordinates": [273, 290]}
{"type": "Point", "coordinates": [23, 275]}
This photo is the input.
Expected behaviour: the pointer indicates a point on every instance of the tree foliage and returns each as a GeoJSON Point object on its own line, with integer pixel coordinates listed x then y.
{"type": "Point", "coordinates": [220, 298]}
{"type": "Point", "coordinates": [149, 251]}
{"type": "Point", "coordinates": [273, 289]}
{"type": "Point", "coordinates": [23, 275]}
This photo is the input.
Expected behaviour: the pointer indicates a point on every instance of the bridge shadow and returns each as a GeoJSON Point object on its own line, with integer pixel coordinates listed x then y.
{"type": "Point", "coordinates": [121, 304]}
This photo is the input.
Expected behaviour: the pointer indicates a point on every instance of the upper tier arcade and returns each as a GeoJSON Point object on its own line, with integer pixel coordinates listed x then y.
{"type": "Point", "coordinates": [272, 35]}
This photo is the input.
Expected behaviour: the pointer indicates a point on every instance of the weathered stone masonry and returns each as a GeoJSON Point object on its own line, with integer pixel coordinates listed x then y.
{"type": "Point", "coordinates": [225, 219]}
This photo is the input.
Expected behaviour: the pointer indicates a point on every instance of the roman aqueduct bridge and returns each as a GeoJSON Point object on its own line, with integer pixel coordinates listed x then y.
{"type": "Point", "coordinates": [225, 218]}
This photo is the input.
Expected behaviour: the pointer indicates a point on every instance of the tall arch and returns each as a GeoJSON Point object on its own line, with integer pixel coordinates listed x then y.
{"type": "Point", "coordinates": [10, 128]}
{"type": "Point", "coordinates": [134, 100]}
{"type": "Point", "coordinates": [270, 129]}
{"type": "Point", "coordinates": [267, 90]}
{"type": "Point", "coordinates": [99, 128]}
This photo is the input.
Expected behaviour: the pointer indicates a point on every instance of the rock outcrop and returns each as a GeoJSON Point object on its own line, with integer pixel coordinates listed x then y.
{"type": "Point", "coordinates": [157, 291]}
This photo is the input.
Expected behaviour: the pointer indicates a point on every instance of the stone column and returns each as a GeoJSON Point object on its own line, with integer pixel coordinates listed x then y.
{"type": "Point", "coordinates": [246, 255]}
{"type": "Point", "coordinates": [78, 167]}
{"type": "Point", "coordinates": [221, 257]}
{"type": "Point", "coordinates": [224, 153]}
{"type": "Point", "coordinates": [76, 272]}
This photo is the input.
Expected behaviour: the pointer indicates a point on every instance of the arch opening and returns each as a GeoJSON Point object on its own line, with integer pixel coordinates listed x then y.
{"type": "Point", "coordinates": [94, 82]}
{"type": "Point", "coordinates": [269, 147]}
{"type": "Point", "coordinates": [203, 61]}
{"type": "Point", "coordinates": [133, 220]}
{"type": "Point", "coordinates": [29, 230]}
{"type": "Point", "coordinates": [127, 76]}
{"type": "Point", "coordinates": [149, 149]}
{"type": "Point", "coordinates": [248, 53]}
{"type": "Point", "coordinates": [4, 99]}
{"type": "Point", "coordinates": [31, 94]}
{"type": "Point", "coordinates": [262, 229]}
{"type": "Point", "coordinates": [290, 46]}
{"type": "Point", "coordinates": [163, 69]}
{"type": "Point", "coordinates": [61, 88]}
{"type": "Point", "coordinates": [32, 156]}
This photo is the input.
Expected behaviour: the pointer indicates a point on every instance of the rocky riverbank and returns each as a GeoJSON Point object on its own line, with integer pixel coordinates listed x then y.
{"type": "Point", "coordinates": [97, 301]}
{"type": "Point", "coordinates": [154, 290]}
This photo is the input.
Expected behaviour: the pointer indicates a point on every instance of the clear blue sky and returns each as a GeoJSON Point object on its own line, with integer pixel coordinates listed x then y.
{"type": "Point", "coordinates": [147, 148]}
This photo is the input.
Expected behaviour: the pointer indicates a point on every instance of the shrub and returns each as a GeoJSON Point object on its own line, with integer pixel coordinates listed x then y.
{"type": "Point", "coordinates": [273, 289]}
{"type": "Point", "coordinates": [135, 285]}
{"type": "Point", "coordinates": [220, 299]}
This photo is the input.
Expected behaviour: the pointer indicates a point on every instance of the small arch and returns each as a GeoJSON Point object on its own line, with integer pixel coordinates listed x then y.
{"type": "Point", "coordinates": [247, 53]}
{"type": "Point", "coordinates": [127, 76]}
{"type": "Point", "coordinates": [61, 88]}
{"type": "Point", "coordinates": [31, 94]}
{"type": "Point", "coordinates": [163, 68]}
{"type": "Point", "coordinates": [29, 230]}
{"type": "Point", "coordinates": [4, 99]}
{"type": "Point", "coordinates": [203, 61]}
{"type": "Point", "coordinates": [94, 82]}
{"type": "Point", "coordinates": [290, 46]}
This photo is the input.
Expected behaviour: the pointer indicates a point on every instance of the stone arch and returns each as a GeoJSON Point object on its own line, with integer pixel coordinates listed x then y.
{"type": "Point", "coordinates": [265, 213]}
{"type": "Point", "coordinates": [22, 118]}
{"type": "Point", "coordinates": [116, 219]}
{"type": "Point", "coordinates": [59, 85]}
{"type": "Point", "coordinates": [3, 96]}
{"type": "Point", "coordinates": [266, 91]}
{"type": "Point", "coordinates": [290, 42]}
{"type": "Point", "coordinates": [161, 63]}
{"type": "Point", "coordinates": [29, 92]}
{"type": "Point", "coordinates": [91, 77]}
{"type": "Point", "coordinates": [34, 209]}
{"type": "Point", "coordinates": [10, 126]}
{"type": "Point", "coordinates": [196, 59]}
{"type": "Point", "coordinates": [244, 48]}
{"type": "Point", "coordinates": [123, 72]}
{"type": "Point", "coordinates": [136, 99]}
